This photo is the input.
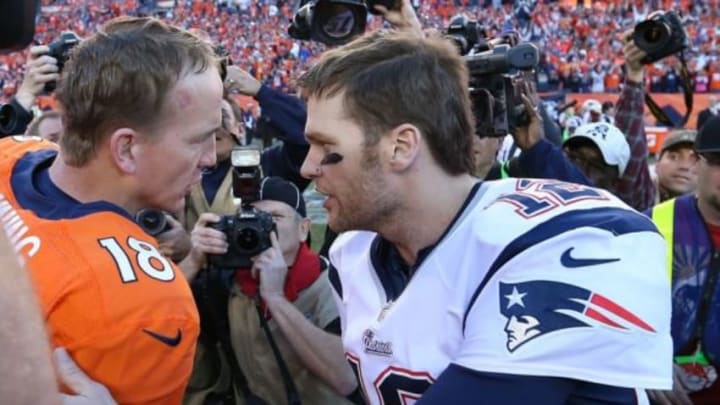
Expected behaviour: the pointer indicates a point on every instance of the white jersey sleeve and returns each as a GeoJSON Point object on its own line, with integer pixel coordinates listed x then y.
{"type": "Point", "coordinates": [579, 293]}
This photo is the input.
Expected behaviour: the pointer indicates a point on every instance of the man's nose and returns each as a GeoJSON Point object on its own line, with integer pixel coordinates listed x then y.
{"type": "Point", "coordinates": [311, 165]}
{"type": "Point", "coordinates": [209, 157]}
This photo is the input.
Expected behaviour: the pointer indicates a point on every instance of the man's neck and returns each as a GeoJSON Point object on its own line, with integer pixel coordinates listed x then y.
{"type": "Point", "coordinates": [665, 193]}
{"type": "Point", "coordinates": [424, 222]}
{"type": "Point", "coordinates": [89, 183]}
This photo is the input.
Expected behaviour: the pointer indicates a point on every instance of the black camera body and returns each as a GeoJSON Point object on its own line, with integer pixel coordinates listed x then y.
{"type": "Point", "coordinates": [465, 33]}
{"type": "Point", "coordinates": [333, 22]}
{"type": "Point", "coordinates": [661, 35]}
{"type": "Point", "coordinates": [248, 234]}
{"type": "Point", "coordinates": [498, 69]}
{"type": "Point", "coordinates": [248, 231]}
{"type": "Point", "coordinates": [60, 50]}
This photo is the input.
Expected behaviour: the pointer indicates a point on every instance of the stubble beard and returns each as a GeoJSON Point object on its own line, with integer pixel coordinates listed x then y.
{"type": "Point", "coordinates": [375, 205]}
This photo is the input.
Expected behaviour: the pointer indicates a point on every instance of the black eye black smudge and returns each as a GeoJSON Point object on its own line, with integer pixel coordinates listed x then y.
{"type": "Point", "coordinates": [332, 159]}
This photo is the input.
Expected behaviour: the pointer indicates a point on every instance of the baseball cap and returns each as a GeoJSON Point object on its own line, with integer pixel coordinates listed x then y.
{"type": "Point", "coordinates": [279, 189]}
{"type": "Point", "coordinates": [609, 139]}
{"type": "Point", "coordinates": [708, 138]}
{"type": "Point", "coordinates": [678, 137]}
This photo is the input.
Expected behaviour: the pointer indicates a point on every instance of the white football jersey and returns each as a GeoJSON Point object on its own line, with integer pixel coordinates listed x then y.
{"type": "Point", "coordinates": [534, 277]}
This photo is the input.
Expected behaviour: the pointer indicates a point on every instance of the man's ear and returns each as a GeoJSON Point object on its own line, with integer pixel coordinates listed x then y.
{"type": "Point", "coordinates": [123, 149]}
{"type": "Point", "coordinates": [304, 229]}
{"type": "Point", "coordinates": [405, 143]}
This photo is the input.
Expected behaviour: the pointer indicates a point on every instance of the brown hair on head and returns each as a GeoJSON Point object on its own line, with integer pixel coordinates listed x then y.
{"type": "Point", "coordinates": [389, 78]}
{"type": "Point", "coordinates": [120, 77]}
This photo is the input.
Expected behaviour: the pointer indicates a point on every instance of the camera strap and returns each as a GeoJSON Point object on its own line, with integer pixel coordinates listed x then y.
{"type": "Point", "coordinates": [293, 398]}
{"type": "Point", "coordinates": [686, 83]}
{"type": "Point", "coordinates": [211, 295]}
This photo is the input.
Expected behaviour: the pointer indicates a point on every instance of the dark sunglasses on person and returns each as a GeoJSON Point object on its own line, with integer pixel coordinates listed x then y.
{"type": "Point", "coordinates": [711, 158]}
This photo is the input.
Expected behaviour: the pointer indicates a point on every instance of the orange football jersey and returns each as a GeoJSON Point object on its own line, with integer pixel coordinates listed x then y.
{"type": "Point", "coordinates": [124, 312]}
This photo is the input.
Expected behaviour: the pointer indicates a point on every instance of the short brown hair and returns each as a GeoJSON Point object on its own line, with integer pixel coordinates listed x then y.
{"type": "Point", "coordinates": [390, 78]}
{"type": "Point", "coordinates": [121, 77]}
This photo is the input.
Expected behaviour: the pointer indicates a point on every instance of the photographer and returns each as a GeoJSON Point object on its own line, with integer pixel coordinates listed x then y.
{"type": "Point", "coordinates": [539, 157]}
{"type": "Point", "coordinates": [284, 113]}
{"type": "Point", "coordinates": [40, 69]}
{"type": "Point", "coordinates": [615, 159]}
{"type": "Point", "coordinates": [301, 317]}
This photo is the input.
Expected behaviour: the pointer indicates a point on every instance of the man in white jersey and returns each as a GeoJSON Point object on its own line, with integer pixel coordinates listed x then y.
{"type": "Point", "coordinates": [455, 292]}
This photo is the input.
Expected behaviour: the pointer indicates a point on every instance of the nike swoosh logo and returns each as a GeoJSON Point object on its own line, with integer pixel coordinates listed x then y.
{"type": "Point", "coordinates": [170, 341]}
{"type": "Point", "coordinates": [572, 262]}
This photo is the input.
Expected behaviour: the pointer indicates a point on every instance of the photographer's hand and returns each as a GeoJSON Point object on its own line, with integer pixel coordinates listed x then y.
{"type": "Point", "coordinates": [633, 55]}
{"type": "Point", "coordinates": [204, 240]}
{"type": "Point", "coordinates": [175, 243]}
{"type": "Point", "coordinates": [402, 17]}
{"type": "Point", "coordinates": [527, 137]}
{"type": "Point", "coordinates": [242, 81]}
{"type": "Point", "coordinates": [271, 269]}
{"type": "Point", "coordinates": [40, 69]}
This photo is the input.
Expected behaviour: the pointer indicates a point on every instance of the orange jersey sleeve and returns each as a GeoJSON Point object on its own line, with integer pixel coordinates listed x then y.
{"type": "Point", "coordinates": [124, 312]}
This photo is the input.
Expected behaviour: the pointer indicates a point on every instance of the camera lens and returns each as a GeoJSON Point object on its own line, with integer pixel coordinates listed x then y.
{"type": "Point", "coordinates": [651, 35]}
{"type": "Point", "coordinates": [338, 21]}
{"type": "Point", "coordinates": [247, 239]}
{"type": "Point", "coordinates": [655, 33]}
{"type": "Point", "coordinates": [152, 221]}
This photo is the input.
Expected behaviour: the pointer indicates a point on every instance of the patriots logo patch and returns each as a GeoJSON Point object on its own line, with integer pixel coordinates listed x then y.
{"type": "Point", "coordinates": [534, 308]}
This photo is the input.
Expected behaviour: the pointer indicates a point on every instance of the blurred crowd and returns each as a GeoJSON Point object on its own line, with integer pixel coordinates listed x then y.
{"type": "Point", "coordinates": [236, 303]}
{"type": "Point", "coordinates": [582, 43]}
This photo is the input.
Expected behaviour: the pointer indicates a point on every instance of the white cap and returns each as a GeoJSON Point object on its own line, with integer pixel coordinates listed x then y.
{"type": "Point", "coordinates": [592, 105]}
{"type": "Point", "coordinates": [609, 139]}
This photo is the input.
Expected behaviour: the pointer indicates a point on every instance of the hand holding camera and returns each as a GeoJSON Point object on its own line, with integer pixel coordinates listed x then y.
{"type": "Point", "coordinates": [402, 17]}
{"type": "Point", "coordinates": [270, 269]}
{"type": "Point", "coordinates": [241, 81]}
{"type": "Point", "coordinates": [174, 242]}
{"type": "Point", "coordinates": [41, 69]}
{"type": "Point", "coordinates": [633, 59]}
{"type": "Point", "coordinates": [526, 136]}
{"type": "Point", "coordinates": [205, 241]}
{"type": "Point", "coordinates": [248, 232]}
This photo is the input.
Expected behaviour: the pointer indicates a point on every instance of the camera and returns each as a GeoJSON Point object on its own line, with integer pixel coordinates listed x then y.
{"type": "Point", "coordinates": [333, 22]}
{"type": "Point", "coordinates": [60, 50]}
{"type": "Point", "coordinates": [248, 231]}
{"type": "Point", "coordinates": [661, 35]}
{"type": "Point", "coordinates": [153, 222]}
{"type": "Point", "coordinates": [498, 68]}
{"type": "Point", "coordinates": [465, 33]}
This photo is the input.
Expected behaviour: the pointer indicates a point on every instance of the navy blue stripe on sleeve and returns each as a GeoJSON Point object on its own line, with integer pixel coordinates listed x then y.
{"type": "Point", "coordinates": [619, 221]}
{"type": "Point", "coordinates": [334, 278]}
{"type": "Point", "coordinates": [459, 385]}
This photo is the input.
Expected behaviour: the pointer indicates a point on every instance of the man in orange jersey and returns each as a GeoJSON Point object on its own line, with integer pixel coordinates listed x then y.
{"type": "Point", "coordinates": [141, 102]}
